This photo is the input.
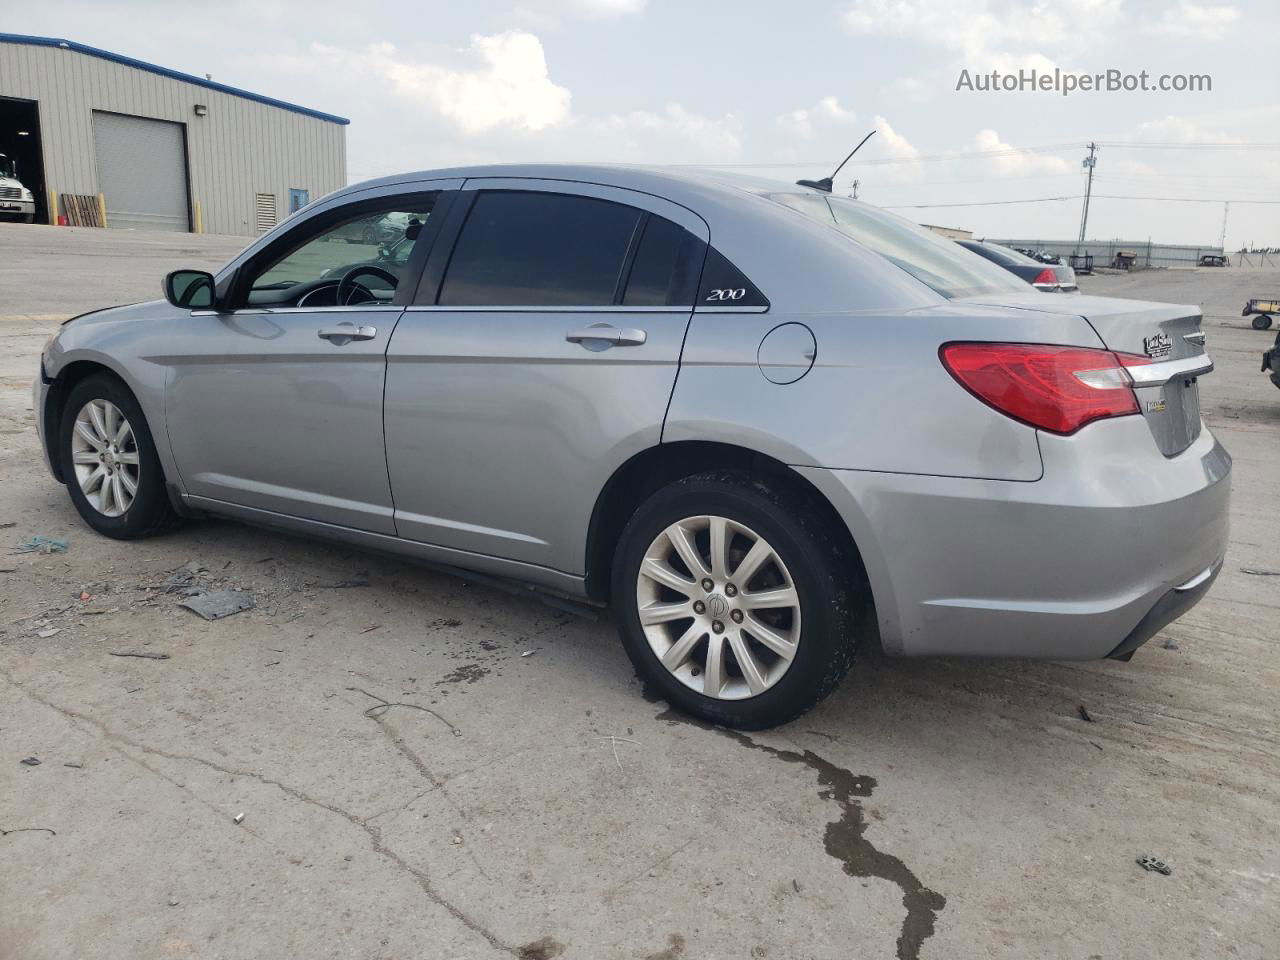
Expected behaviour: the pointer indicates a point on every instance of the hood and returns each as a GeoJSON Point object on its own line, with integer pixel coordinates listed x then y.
{"type": "Point", "coordinates": [11, 182]}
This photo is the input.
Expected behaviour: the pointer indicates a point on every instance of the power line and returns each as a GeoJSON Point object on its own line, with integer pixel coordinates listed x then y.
{"type": "Point", "coordinates": [978, 203]}
{"type": "Point", "coordinates": [1208, 145]}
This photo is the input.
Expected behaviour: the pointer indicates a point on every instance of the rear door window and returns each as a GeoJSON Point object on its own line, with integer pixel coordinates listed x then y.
{"type": "Point", "coordinates": [664, 272]}
{"type": "Point", "coordinates": [539, 249]}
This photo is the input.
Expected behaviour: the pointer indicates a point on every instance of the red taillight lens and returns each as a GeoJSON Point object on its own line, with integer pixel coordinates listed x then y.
{"type": "Point", "coordinates": [1058, 389]}
{"type": "Point", "coordinates": [1046, 276]}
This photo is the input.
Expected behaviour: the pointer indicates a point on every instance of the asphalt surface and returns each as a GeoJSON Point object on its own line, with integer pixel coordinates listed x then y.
{"type": "Point", "coordinates": [431, 768]}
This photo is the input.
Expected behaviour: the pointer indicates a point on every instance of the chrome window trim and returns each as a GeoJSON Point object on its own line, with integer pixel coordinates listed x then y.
{"type": "Point", "coordinates": [701, 309]}
{"type": "Point", "coordinates": [259, 311]}
{"type": "Point", "coordinates": [1155, 374]}
{"type": "Point", "coordinates": [607, 308]}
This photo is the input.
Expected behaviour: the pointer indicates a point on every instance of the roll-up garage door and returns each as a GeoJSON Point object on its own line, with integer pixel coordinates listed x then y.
{"type": "Point", "coordinates": [142, 171]}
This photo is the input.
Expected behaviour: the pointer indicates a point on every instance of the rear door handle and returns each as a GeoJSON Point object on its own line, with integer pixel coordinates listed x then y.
{"type": "Point", "coordinates": [345, 333]}
{"type": "Point", "coordinates": [614, 336]}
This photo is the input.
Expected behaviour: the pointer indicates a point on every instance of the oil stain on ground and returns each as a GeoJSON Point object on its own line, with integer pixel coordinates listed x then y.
{"type": "Point", "coordinates": [845, 837]}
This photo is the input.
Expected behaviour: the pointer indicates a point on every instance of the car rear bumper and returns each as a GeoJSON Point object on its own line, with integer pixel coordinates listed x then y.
{"type": "Point", "coordinates": [1077, 565]}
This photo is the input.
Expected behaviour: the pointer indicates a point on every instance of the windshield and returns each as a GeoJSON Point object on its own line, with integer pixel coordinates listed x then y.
{"type": "Point", "coordinates": [6, 168]}
{"type": "Point", "coordinates": [932, 259]}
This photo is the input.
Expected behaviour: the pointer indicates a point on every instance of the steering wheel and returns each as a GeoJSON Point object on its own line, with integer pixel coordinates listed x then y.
{"type": "Point", "coordinates": [347, 286]}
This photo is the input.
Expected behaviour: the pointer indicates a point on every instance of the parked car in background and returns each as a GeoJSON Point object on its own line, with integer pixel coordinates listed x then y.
{"type": "Point", "coordinates": [1214, 260]}
{"type": "Point", "coordinates": [1050, 279]}
{"type": "Point", "coordinates": [766, 424]}
{"type": "Point", "coordinates": [16, 201]}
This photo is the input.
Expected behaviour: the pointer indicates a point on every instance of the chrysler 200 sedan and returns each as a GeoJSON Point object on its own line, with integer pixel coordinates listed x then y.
{"type": "Point", "coordinates": [767, 425]}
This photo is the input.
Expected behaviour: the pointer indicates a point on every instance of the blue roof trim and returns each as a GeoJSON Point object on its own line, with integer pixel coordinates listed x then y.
{"type": "Point", "coordinates": [166, 72]}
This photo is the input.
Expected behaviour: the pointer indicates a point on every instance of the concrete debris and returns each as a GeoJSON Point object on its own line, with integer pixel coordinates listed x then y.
{"type": "Point", "coordinates": [48, 632]}
{"type": "Point", "coordinates": [30, 761]}
{"type": "Point", "coordinates": [1148, 862]}
{"type": "Point", "coordinates": [238, 818]}
{"type": "Point", "coordinates": [217, 604]}
{"type": "Point", "coordinates": [141, 654]}
{"type": "Point", "coordinates": [1255, 572]}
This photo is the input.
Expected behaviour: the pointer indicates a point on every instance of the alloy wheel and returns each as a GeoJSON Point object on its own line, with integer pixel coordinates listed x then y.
{"type": "Point", "coordinates": [104, 453]}
{"type": "Point", "coordinates": [718, 607]}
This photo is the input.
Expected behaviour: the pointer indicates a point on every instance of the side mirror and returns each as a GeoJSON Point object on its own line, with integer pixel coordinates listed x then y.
{"type": "Point", "coordinates": [192, 289]}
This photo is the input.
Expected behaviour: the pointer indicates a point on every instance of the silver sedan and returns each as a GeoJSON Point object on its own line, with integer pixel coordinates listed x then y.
{"type": "Point", "coordinates": [767, 425]}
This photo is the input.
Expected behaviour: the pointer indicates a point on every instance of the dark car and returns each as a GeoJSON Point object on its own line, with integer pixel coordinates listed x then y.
{"type": "Point", "coordinates": [1051, 279]}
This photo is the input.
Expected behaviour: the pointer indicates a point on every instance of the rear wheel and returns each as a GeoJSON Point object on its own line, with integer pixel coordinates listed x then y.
{"type": "Point", "coordinates": [732, 603]}
{"type": "Point", "coordinates": [1262, 321]}
{"type": "Point", "coordinates": [109, 461]}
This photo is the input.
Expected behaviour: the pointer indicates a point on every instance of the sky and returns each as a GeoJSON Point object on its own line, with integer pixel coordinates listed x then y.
{"type": "Point", "coordinates": [782, 90]}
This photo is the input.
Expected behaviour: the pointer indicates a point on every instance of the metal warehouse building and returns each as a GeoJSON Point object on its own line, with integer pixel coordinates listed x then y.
{"type": "Point", "coordinates": [96, 135]}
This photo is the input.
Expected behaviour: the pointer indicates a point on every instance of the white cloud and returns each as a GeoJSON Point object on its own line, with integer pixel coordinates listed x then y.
{"type": "Point", "coordinates": [673, 134]}
{"type": "Point", "coordinates": [802, 123]}
{"type": "Point", "coordinates": [1002, 34]}
{"type": "Point", "coordinates": [506, 86]}
{"type": "Point", "coordinates": [893, 143]}
{"type": "Point", "coordinates": [551, 14]}
{"type": "Point", "coordinates": [1196, 20]}
{"type": "Point", "coordinates": [1012, 161]}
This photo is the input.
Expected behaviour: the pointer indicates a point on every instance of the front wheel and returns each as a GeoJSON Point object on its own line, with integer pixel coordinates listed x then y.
{"type": "Point", "coordinates": [109, 461]}
{"type": "Point", "coordinates": [733, 602]}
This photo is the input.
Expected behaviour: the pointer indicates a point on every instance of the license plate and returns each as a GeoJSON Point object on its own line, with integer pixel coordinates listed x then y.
{"type": "Point", "coordinates": [9, 206]}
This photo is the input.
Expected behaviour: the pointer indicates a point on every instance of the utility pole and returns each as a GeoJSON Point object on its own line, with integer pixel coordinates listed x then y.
{"type": "Point", "coordinates": [1089, 162]}
{"type": "Point", "coordinates": [1226, 205]}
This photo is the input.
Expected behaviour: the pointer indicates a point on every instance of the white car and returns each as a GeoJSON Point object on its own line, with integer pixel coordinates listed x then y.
{"type": "Point", "coordinates": [16, 201]}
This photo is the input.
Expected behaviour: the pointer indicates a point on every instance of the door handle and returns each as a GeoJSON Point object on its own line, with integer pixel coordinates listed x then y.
{"type": "Point", "coordinates": [345, 333]}
{"type": "Point", "coordinates": [613, 336]}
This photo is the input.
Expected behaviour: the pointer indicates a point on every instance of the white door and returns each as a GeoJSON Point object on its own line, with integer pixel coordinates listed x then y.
{"type": "Point", "coordinates": [142, 171]}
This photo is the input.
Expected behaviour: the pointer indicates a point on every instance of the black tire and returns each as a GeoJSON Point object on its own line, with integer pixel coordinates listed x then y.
{"type": "Point", "coordinates": [150, 512]}
{"type": "Point", "coordinates": [1261, 321]}
{"type": "Point", "coordinates": [833, 601]}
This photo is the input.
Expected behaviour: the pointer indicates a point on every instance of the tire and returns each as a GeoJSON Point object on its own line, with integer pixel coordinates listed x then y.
{"type": "Point", "coordinates": [1261, 321]}
{"type": "Point", "coordinates": [822, 627]}
{"type": "Point", "coordinates": [29, 218]}
{"type": "Point", "coordinates": [147, 511]}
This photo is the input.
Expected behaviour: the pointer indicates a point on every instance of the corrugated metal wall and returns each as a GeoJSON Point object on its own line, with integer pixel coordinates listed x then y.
{"type": "Point", "coordinates": [239, 149]}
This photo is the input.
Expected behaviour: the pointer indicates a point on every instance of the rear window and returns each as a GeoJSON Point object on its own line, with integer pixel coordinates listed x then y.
{"type": "Point", "coordinates": [539, 249]}
{"type": "Point", "coordinates": [1002, 254]}
{"type": "Point", "coordinates": [929, 257]}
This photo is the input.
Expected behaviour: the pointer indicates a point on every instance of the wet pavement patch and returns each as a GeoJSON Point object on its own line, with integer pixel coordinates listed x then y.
{"type": "Point", "coordinates": [845, 838]}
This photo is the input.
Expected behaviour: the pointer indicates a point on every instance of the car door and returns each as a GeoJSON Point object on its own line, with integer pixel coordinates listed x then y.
{"type": "Point", "coordinates": [275, 402]}
{"type": "Point", "coordinates": [540, 355]}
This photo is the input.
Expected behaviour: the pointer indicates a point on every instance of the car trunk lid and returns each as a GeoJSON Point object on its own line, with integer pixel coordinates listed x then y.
{"type": "Point", "coordinates": [1169, 335]}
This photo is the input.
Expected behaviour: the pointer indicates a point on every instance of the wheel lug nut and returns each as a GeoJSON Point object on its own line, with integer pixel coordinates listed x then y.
{"type": "Point", "coordinates": [707, 584]}
{"type": "Point", "coordinates": [735, 616]}
{"type": "Point", "coordinates": [730, 590]}
{"type": "Point", "coordinates": [717, 626]}
{"type": "Point", "coordinates": [699, 607]}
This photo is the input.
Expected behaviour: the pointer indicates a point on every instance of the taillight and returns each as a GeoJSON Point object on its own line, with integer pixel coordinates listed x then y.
{"type": "Point", "coordinates": [1058, 389]}
{"type": "Point", "coordinates": [1046, 277]}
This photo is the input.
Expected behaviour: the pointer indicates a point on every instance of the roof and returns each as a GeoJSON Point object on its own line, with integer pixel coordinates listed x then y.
{"type": "Point", "coordinates": [19, 38]}
{"type": "Point", "coordinates": [675, 183]}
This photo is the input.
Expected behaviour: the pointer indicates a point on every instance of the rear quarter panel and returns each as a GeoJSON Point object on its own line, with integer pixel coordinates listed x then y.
{"type": "Point", "coordinates": [877, 397]}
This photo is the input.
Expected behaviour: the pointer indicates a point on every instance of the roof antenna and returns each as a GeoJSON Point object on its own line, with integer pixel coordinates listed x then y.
{"type": "Point", "coordinates": [825, 183]}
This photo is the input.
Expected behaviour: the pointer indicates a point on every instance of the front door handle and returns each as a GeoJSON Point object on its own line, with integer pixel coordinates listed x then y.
{"type": "Point", "coordinates": [608, 335]}
{"type": "Point", "coordinates": [345, 333]}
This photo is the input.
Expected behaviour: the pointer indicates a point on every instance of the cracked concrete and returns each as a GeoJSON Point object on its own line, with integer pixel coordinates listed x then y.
{"type": "Point", "coordinates": [500, 823]}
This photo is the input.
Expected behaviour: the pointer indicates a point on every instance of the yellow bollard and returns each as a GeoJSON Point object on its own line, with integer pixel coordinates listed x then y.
{"type": "Point", "coordinates": [53, 208]}
{"type": "Point", "coordinates": [199, 219]}
{"type": "Point", "coordinates": [102, 209]}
